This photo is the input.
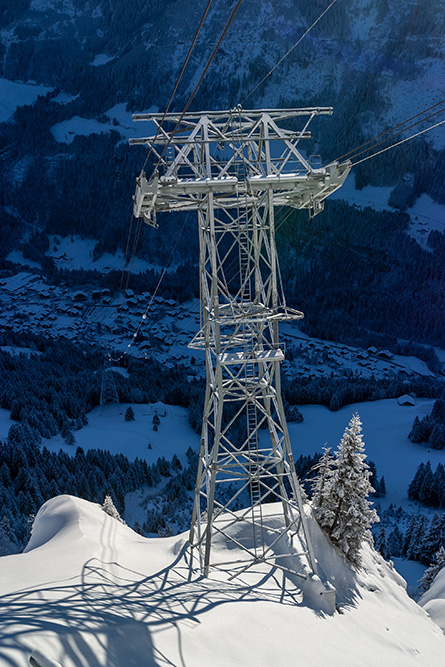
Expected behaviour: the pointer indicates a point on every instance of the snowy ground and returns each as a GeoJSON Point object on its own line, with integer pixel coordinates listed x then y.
{"type": "Point", "coordinates": [385, 429]}
{"type": "Point", "coordinates": [434, 600]}
{"type": "Point", "coordinates": [13, 95]}
{"type": "Point", "coordinates": [108, 430]}
{"type": "Point", "coordinates": [75, 253]}
{"type": "Point", "coordinates": [91, 592]}
{"type": "Point", "coordinates": [425, 214]}
{"type": "Point", "coordinates": [5, 423]}
{"type": "Point", "coordinates": [120, 120]}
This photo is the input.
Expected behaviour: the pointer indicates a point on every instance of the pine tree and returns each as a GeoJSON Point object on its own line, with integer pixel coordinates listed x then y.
{"type": "Point", "coordinates": [156, 421]}
{"type": "Point", "coordinates": [321, 488]}
{"type": "Point", "coordinates": [434, 538]}
{"type": "Point", "coordinates": [394, 543]}
{"type": "Point", "coordinates": [413, 488]}
{"type": "Point", "coordinates": [431, 572]}
{"type": "Point", "coordinates": [380, 543]}
{"type": "Point", "coordinates": [110, 509]}
{"type": "Point", "coordinates": [129, 414]}
{"type": "Point", "coordinates": [437, 439]}
{"type": "Point", "coordinates": [414, 536]}
{"type": "Point", "coordinates": [343, 509]}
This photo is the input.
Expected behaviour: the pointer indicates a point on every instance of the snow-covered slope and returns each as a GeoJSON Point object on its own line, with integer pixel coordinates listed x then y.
{"type": "Point", "coordinates": [90, 591]}
{"type": "Point", "coordinates": [433, 601]}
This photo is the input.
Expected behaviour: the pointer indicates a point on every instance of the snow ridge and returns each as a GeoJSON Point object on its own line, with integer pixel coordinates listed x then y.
{"type": "Point", "coordinates": [90, 591]}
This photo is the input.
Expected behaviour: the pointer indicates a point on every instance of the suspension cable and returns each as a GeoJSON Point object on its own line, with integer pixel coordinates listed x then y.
{"type": "Point", "coordinates": [206, 11]}
{"type": "Point", "coordinates": [290, 51]}
{"type": "Point", "coordinates": [396, 134]}
{"type": "Point", "coordinates": [353, 150]}
{"type": "Point", "coordinates": [164, 270]}
{"type": "Point", "coordinates": [382, 141]}
{"type": "Point", "coordinates": [193, 93]}
{"type": "Point", "coordinates": [223, 34]}
{"type": "Point", "coordinates": [427, 129]}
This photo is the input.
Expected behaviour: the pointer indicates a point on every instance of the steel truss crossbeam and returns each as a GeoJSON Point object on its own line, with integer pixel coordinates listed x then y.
{"type": "Point", "coordinates": [233, 168]}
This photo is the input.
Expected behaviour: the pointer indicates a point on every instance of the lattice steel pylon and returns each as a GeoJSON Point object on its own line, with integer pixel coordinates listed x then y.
{"type": "Point", "coordinates": [234, 167]}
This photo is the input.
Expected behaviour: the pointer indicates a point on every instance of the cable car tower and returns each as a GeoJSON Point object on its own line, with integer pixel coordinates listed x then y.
{"type": "Point", "coordinates": [234, 167]}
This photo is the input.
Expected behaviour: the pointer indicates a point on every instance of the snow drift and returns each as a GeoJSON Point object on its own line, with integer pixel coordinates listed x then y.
{"type": "Point", "coordinates": [433, 601]}
{"type": "Point", "coordinates": [88, 591]}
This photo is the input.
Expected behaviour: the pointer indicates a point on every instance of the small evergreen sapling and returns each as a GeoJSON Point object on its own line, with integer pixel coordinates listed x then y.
{"type": "Point", "coordinates": [156, 421]}
{"type": "Point", "coordinates": [341, 493]}
{"type": "Point", "coordinates": [110, 509]}
{"type": "Point", "coordinates": [129, 414]}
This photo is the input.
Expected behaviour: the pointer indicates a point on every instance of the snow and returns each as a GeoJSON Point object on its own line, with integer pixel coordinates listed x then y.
{"type": "Point", "coordinates": [67, 130]}
{"type": "Point", "coordinates": [20, 281]}
{"type": "Point", "coordinates": [433, 601]}
{"type": "Point", "coordinates": [108, 430]}
{"type": "Point", "coordinates": [370, 195]}
{"type": "Point", "coordinates": [13, 95]}
{"type": "Point", "coordinates": [90, 591]}
{"type": "Point", "coordinates": [64, 98]}
{"type": "Point", "coordinates": [120, 121]}
{"type": "Point", "coordinates": [17, 351]}
{"type": "Point", "coordinates": [385, 433]}
{"type": "Point", "coordinates": [75, 253]}
{"type": "Point", "coordinates": [101, 59]}
{"type": "Point", "coordinates": [426, 215]}
{"type": "Point", "coordinates": [5, 423]}
{"type": "Point", "coordinates": [16, 256]}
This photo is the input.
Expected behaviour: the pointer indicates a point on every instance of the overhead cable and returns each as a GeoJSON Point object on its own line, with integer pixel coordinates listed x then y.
{"type": "Point", "coordinates": [290, 51]}
{"type": "Point", "coordinates": [193, 93]}
{"type": "Point", "coordinates": [383, 134]}
{"type": "Point", "coordinates": [206, 11]}
{"type": "Point", "coordinates": [427, 129]}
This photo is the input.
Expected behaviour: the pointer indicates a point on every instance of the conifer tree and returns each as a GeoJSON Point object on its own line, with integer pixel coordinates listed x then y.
{"type": "Point", "coordinates": [110, 509]}
{"type": "Point", "coordinates": [434, 538]}
{"type": "Point", "coordinates": [394, 543]}
{"type": "Point", "coordinates": [432, 571]}
{"type": "Point", "coordinates": [321, 487]}
{"type": "Point", "coordinates": [380, 543]}
{"type": "Point", "coordinates": [343, 509]}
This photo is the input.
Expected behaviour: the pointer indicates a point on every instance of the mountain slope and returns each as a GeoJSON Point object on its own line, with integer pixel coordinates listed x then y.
{"type": "Point", "coordinates": [89, 591]}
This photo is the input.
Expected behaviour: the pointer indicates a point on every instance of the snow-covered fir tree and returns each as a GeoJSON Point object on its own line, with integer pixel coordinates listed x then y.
{"type": "Point", "coordinates": [341, 493]}
{"type": "Point", "coordinates": [321, 485]}
{"type": "Point", "coordinates": [431, 572]}
{"type": "Point", "coordinates": [110, 509]}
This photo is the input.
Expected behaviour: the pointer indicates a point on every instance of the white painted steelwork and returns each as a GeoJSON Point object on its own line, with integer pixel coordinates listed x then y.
{"type": "Point", "coordinates": [233, 168]}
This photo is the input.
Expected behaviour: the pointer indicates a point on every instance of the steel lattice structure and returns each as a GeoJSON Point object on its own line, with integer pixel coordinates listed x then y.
{"type": "Point", "coordinates": [234, 168]}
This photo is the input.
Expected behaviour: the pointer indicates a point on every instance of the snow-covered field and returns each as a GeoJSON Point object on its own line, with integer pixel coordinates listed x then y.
{"type": "Point", "coordinates": [425, 214]}
{"type": "Point", "coordinates": [14, 94]}
{"type": "Point", "coordinates": [91, 592]}
{"type": "Point", "coordinates": [385, 433]}
{"type": "Point", "coordinates": [74, 253]}
{"type": "Point", "coordinates": [120, 120]}
{"type": "Point", "coordinates": [108, 430]}
{"type": "Point", "coordinates": [386, 425]}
